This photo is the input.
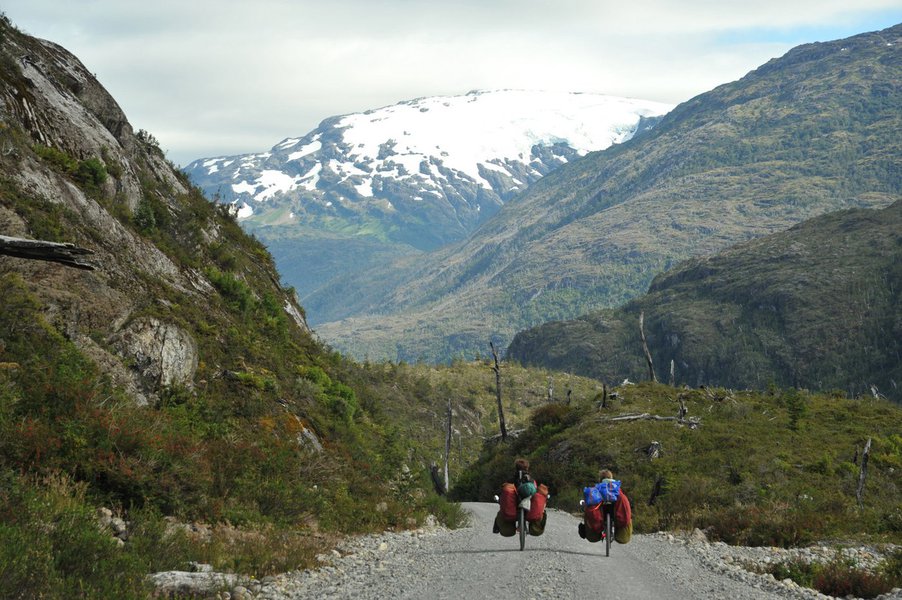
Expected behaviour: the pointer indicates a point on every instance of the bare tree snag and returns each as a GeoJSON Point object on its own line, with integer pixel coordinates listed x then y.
{"type": "Point", "coordinates": [436, 480]}
{"type": "Point", "coordinates": [604, 395]}
{"type": "Point", "coordinates": [653, 450]}
{"type": "Point", "coordinates": [448, 447]}
{"type": "Point", "coordinates": [863, 472]}
{"type": "Point", "coordinates": [497, 369]}
{"type": "Point", "coordinates": [651, 368]}
{"type": "Point", "coordinates": [672, 379]}
{"type": "Point", "coordinates": [66, 254]}
{"type": "Point", "coordinates": [656, 490]}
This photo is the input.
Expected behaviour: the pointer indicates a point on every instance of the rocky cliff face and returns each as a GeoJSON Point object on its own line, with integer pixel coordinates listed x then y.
{"type": "Point", "coordinates": [73, 170]}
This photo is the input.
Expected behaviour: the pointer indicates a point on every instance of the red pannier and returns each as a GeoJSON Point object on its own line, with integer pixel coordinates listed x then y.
{"type": "Point", "coordinates": [623, 513]}
{"type": "Point", "coordinates": [537, 504]}
{"type": "Point", "coordinates": [595, 518]}
{"type": "Point", "coordinates": [508, 500]}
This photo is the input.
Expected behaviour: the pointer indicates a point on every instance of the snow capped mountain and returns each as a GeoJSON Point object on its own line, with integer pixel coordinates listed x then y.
{"type": "Point", "coordinates": [422, 172]}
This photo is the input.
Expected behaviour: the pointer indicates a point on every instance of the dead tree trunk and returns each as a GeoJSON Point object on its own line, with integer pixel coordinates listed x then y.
{"type": "Point", "coordinates": [692, 422]}
{"type": "Point", "coordinates": [672, 379]}
{"type": "Point", "coordinates": [497, 369]}
{"type": "Point", "coordinates": [66, 254]}
{"type": "Point", "coordinates": [604, 395]}
{"type": "Point", "coordinates": [651, 368]}
{"type": "Point", "coordinates": [436, 480]}
{"type": "Point", "coordinates": [656, 490]}
{"type": "Point", "coordinates": [448, 447]}
{"type": "Point", "coordinates": [863, 472]}
{"type": "Point", "coordinates": [683, 411]}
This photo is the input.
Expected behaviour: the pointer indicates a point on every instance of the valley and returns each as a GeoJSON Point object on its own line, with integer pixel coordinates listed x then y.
{"type": "Point", "coordinates": [173, 410]}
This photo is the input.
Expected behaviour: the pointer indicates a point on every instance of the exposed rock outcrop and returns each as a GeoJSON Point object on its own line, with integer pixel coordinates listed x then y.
{"type": "Point", "coordinates": [161, 354]}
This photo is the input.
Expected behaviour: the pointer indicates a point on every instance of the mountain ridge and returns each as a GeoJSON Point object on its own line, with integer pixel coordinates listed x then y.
{"type": "Point", "coordinates": [409, 177]}
{"type": "Point", "coordinates": [817, 306]}
{"type": "Point", "coordinates": [811, 132]}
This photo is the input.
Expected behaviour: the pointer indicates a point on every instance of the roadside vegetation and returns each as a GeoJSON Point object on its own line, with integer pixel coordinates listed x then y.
{"type": "Point", "coordinates": [774, 468]}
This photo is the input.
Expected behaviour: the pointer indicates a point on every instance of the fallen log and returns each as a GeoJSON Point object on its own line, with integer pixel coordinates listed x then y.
{"type": "Point", "coordinates": [66, 254]}
{"type": "Point", "coordinates": [692, 422]}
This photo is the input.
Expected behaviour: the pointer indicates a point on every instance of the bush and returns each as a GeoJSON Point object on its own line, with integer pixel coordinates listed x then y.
{"type": "Point", "coordinates": [840, 577]}
{"type": "Point", "coordinates": [90, 173]}
{"type": "Point", "coordinates": [51, 545]}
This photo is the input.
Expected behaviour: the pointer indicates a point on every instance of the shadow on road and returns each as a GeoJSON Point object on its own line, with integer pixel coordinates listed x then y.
{"type": "Point", "coordinates": [528, 549]}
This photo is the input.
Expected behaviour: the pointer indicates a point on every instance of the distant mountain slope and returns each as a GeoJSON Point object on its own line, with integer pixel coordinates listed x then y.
{"type": "Point", "coordinates": [365, 187]}
{"type": "Point", "coordinates": [811, 132]}
{"type": "Point", "coordinates": [818, 306]}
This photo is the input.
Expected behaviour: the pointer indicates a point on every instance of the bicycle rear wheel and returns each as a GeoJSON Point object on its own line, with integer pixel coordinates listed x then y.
{"type": "Point", "coordinates": [521, 524]}
{"type": "Point", "coordinates": [607, 533]}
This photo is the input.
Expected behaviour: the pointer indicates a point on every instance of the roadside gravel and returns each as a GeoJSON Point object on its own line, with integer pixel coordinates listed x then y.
{"type": "Point", "coordinates": [472, 562]}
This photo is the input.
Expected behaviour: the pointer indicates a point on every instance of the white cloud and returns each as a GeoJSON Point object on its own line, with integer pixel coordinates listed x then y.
{"type": "Point", "coordinates": [227, 77]}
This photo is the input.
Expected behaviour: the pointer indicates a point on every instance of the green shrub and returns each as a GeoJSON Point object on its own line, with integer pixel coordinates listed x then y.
{"type": "Point", "coordinates": [145, 218]}
{"type": "Point", "coordinates": [841, 578]}
{"type": "Point", "coordinates": [51, 546]}
{"type": "Point", "coordinates": [90, 173]}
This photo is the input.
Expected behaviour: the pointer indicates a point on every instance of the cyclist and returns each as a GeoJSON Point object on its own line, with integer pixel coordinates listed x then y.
{"type": "Point", "coordinates": [591, 528]}
{"type": "Point", "coordinates": [521, 486]}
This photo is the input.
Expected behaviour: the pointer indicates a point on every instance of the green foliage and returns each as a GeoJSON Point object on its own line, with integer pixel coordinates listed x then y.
{"type": "Point", "coordinates": [145, 216]}
{"type": "Point", "coordinates": [90, 173]}
{"type": "Point", "coordinates": [234, 291]}
{"type": "Point", "coordinates": [51, 545]}
{"type": "Point", "coordinates": [338, 397]}
{"type": "Point", "coordinates": [796, 407]}
{"type": "Point", "coordinates": [150, 142]}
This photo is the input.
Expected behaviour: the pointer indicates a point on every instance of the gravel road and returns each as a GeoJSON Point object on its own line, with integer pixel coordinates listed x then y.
{"type": "Point", "coordinates": [473, 562]}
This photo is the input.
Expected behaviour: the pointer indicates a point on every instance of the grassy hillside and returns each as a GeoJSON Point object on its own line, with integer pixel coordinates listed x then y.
{"type": "Point", "coordinates": [808, 133]}
{"type": "Point", "coordinates": [817, 306]}
{"type": "Point", "coordinates": [176, 384]}
{"type": "Point", "coordinates": [756, 470]}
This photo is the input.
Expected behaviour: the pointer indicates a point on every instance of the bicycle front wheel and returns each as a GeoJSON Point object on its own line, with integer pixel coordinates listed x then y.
{"type": "Point", "coordinates": [608, 532]}
{"type": "Point", "coordinates": [521, 523]}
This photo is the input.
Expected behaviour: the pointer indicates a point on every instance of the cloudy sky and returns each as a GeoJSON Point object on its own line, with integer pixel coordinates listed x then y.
{"type": "Point", "coordinates": [213, 78]}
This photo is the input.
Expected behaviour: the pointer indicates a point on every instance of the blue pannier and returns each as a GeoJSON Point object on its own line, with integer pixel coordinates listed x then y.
{"type": "Point", "coordinates": [609, 490]}
{"type": "Point", "coordinates": [592, 495]}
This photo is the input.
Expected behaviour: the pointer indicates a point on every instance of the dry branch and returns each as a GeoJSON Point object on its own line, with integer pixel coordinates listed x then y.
{"type": "Point", "coordinates": [692, 422]}
{"type": "Point", "coordinates": [66, 254]}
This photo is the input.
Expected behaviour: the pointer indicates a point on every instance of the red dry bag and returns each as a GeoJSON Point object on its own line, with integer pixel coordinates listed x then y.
{"type": "Point", "coordinates": [508, 500]}
{"type": "Point", "coordinates": [537, 504]}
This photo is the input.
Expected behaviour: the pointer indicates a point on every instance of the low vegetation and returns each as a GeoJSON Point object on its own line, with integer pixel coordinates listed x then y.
{"type": "Point", "coordinates": [842, 578]}
{"type": "Point", "coordinates": [755, 471]}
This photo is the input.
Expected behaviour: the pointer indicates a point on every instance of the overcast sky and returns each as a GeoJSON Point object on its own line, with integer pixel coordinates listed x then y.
{"type": "Point", "coordinates": [214, 78]}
